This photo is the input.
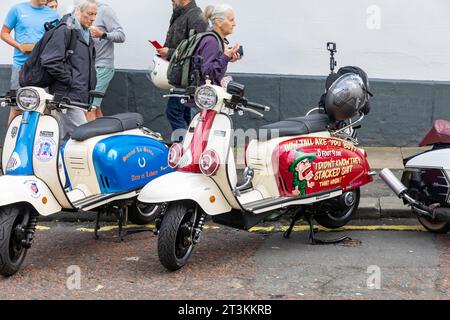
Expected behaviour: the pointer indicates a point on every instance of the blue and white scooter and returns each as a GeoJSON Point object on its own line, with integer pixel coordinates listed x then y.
{"type": "Point", "coordinates": [101, 168]}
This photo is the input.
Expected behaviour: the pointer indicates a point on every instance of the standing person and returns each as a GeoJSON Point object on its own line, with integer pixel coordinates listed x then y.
{"type": "Point", "coordinates": [216, 56]}
{"type": "Point", "coordinates": [186, 16]}
{"type": "Point", "coordinates": [27, 19]}
{"type": "Point", "coordinates": [75, 77]}
{"type": "Point", "coordinates": [106, 31]}
{"type": "Point", "coordinates": [52, 4]}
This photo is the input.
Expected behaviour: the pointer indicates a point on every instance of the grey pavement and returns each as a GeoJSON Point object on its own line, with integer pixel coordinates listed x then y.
{"type": "Point", "coordinates": [235, 265]}
{"type": "Point", "coordinates": [409, 266]}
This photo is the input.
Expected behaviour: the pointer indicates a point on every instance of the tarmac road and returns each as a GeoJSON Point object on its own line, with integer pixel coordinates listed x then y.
{"type": "Point", "coordinates": [231, 264]}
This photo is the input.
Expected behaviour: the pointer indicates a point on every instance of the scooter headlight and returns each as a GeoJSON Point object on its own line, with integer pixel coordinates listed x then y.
{"type": "Point", "coordinates": [176, 152]}
{"type": "Point", "coordinates": [28, 99]}
{"type": "Point", "coordinates": [209, 163]}
{"type": "Point", "coordinates": [206, 97]}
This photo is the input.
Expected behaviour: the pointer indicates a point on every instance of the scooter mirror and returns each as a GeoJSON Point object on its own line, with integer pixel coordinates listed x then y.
{"type": "Point", "coordinates": [235, 88]}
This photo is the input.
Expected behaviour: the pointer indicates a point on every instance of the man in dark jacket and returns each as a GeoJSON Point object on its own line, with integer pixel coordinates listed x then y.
{"type": "Point", "coordinates": [186, 16]}
{"type": "Point", "coordinates": [75, 77]}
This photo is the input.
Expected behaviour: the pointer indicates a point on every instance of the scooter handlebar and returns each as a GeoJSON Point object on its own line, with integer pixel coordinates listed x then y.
{"type": "Point", "coordinates": [67, 103]}
{"type": "Point", "coordinates": [86, 106]}
{"type": "Point", "coordinates": [258, 106]}
{"type": "Point", "coordinates": [179, 91]}
{"type": "Point", "coordinates": [7, 101]}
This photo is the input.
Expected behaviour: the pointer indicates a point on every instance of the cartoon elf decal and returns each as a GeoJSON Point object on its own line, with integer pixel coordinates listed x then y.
{"type": "Point", "coordinates": [303, 175]}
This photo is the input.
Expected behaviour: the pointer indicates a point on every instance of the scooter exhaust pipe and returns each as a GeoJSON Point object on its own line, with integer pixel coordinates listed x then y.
{"type": "Point", "coordinates": [441, 214]}
{"type": "Point", "coordinates": [391, 180]}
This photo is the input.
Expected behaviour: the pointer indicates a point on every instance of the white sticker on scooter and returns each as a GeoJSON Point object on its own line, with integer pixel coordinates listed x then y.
{"type": "Point", "coordinates": [45, 149]}
{"type": "Point", "coordinates": [33, 188]}
{"type": "Point", "coordinates": [14, 162]}
{"type": "Point", "coordinates": [185, 160]}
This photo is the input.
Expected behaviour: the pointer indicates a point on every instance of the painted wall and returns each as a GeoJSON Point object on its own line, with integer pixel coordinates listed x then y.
{"type": "Point", "coordinates": [402, 111]}
{"type": "Point", "coordinates": [390, 39]}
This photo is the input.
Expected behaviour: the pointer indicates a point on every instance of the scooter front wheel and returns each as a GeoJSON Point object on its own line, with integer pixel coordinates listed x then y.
{"type": "Point", "coordinates": [13, 221]}
{"type": "Point", "coordinates": [175, 243]}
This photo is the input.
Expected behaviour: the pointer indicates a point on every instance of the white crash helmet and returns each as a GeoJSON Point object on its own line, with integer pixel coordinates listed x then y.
{"type": "Point", "coordinates": [158, 73]}
{"type": "Point", "coordinates": [346, 97]}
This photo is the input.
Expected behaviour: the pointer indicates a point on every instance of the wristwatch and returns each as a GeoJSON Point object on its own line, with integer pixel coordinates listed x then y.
{"type": "Point", "coordinates": [104, 35]}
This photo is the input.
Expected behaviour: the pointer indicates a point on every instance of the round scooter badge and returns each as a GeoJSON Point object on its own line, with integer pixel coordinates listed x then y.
{"type": "Point", "coordinates": [45, 149]}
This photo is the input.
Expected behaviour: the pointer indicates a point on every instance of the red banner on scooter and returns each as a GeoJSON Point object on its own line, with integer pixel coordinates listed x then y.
{"type": "Point", "coordinates": [312, 165]}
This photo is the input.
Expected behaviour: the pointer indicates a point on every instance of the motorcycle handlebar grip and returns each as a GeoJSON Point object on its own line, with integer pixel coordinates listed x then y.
{"type": "Point", "coordinates": [177, 91]}
{"type": "Point", "coordinates": [79, 105]}
{"type": "Point", "coordinates": [258, 106]}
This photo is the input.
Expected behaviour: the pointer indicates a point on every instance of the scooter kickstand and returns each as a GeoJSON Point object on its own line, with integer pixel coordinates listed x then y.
{"type": "Point", "coordinates": [295, 217]}
{"type": "Point", "coordinates": [97, 225]}
{"type": "Point", "coordinates": [314, 241]}
{"type": "Point", "coordinates": [123, 217]}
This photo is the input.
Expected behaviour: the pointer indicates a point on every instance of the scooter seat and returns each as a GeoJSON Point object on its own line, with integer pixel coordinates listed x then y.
{"type": "Point", "coordinates": [294, 127]}
{"type": "Point", "coordinates": [107, 125]}
{"type": "Point", "coordinates": [440, 133]}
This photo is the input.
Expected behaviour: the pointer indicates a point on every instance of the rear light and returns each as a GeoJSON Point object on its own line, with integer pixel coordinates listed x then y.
{"type": "Point", "coordinates": [209, 163]}
{"type": "Point", "coordinates": [176, 152]}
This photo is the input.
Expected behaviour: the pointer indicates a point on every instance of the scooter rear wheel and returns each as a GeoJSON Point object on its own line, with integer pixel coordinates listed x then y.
{"type": "Point", "coordinates": [175, 243]}
{"type": "Point", "coordinates": [438, 227]}
{"type": "Point", "coordinates": [142, 214]}
{"type": "Point", "coordinates": [13, 220]}
{"type": "Point", "coordinates": [337, 213]}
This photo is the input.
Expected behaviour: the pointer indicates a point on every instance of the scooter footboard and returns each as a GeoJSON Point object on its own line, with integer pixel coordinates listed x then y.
{"type": "Point", "coordinates": [29, 189]}
{"type": "Point", "coordinates": [178, 186]}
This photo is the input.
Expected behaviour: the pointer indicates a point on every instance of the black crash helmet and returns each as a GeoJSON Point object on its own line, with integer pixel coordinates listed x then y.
{"type": "Point", "coordinates": [347, 96]}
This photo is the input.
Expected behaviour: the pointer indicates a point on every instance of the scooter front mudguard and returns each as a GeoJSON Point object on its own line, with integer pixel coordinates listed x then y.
{"type": "Point", "coordinates": [178, 186]}
{"type": "Point", "coordinates": [28, 189]}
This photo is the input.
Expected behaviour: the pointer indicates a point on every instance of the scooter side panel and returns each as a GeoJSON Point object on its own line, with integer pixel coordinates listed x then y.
{"type": "Point", "coordinates": [311, 165]}
{"type": "Point", "coordinates": [128, 162]}
{"type": "Point", "coordinates": [10, 141]}
{"type": "Point", "coordinates": [177, 186]}
{"type": "Point", "coordinates": [259, 157]}
{"type": "Point", "coordinates": [433, 159]}
{"type": "Point", "coordinates": [47, 162]}
{"type": "Point", "coordinates": [29, 189]}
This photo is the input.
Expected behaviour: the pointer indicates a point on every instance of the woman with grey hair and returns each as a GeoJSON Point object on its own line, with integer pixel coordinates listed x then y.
{"type": "Point", "coordinates": [216, 56]}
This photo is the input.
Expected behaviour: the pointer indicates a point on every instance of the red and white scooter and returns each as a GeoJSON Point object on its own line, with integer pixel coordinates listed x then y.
{"type": "Point", "coordinates": [308, 167]}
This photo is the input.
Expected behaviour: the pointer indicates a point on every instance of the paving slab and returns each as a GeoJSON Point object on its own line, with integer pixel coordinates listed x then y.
{"type": "Point", "coordinates": [393, 207]}
{"type": "Point", "coordinates": [384, 157]}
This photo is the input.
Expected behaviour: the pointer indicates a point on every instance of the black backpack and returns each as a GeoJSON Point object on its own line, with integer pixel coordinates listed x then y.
{"type": "Point", "coordinates": [179, 69]}
{"type": "Point", "coordinates": [32, 74]}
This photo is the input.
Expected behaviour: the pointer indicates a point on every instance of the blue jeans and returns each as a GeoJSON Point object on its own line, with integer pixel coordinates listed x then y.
{"type": "Point", "coordinates": [178, 114]}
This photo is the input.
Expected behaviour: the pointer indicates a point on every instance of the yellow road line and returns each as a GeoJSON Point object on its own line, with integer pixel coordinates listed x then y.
{"type": "Point", "coordinates": [416, 228]}
{"type": "Point", "coordinates": [346, 228]}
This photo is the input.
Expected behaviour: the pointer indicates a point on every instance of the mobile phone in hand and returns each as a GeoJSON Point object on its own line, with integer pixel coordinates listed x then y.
{"type": "Point", "coordinates": [156, 44]}
{"type": "Point", "coordinates": [241, 51]}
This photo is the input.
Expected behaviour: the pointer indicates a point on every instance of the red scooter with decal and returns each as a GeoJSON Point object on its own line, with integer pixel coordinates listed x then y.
{"type": "Point", "coordinates": [306, 167]}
